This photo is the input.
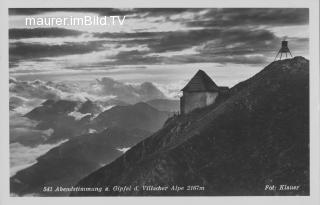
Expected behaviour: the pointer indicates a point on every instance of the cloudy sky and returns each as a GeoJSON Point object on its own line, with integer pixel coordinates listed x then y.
{"type": "Point", "coordinates": [157, 45]}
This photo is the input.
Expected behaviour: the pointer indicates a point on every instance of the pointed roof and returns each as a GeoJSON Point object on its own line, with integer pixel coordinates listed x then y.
{"type": "Point", "coordinates": [200, 82]}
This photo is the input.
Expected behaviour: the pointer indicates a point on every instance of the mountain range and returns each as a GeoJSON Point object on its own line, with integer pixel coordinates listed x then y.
{"type": "Point", "coordinates": [71, 118]}
{"type": "Point", "coordinates": [94, 140]}
{"type": "Point", "coordinates": [66, 164]}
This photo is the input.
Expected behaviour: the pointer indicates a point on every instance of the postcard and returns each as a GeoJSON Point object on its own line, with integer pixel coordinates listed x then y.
{"type": "Point", "coordinates": [162, 101]}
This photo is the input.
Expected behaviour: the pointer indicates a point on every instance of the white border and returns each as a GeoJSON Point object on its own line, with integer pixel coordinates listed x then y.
{"type": "Point", "coordinates": [313, 6]}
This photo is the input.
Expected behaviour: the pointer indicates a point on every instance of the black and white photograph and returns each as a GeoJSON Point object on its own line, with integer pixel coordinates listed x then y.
{"type": "Point", "coordinates": [146, 102]}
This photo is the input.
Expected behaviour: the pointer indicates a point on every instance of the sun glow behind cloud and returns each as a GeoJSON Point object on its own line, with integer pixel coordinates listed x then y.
{"type": "Point", "coordinates": [172, 40]}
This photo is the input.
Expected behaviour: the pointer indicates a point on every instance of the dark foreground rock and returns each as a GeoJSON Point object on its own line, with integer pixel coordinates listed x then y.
{"type": "Point", "coordinates": [259, 136]}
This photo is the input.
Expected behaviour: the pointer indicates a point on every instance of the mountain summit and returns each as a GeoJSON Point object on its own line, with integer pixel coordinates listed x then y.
{"type": "Point", "coordinates": [257, 137]}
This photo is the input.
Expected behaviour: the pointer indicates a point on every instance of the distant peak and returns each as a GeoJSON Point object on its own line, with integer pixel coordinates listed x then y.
{"type": "Point", "coordinates": [141, 104]}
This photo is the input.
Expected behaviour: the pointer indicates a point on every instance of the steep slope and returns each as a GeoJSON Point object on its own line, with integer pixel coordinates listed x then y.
{"type": "Point", "coordinates": [54, 115]}
{"type": "Point", "coordinates": [69, 162]}
{"type": "Point", "coordinates": [259, 136]}
{"type": "Point", "coordinates": [140, 115]}
{"type": "Point", "coordinates": [165, 105]}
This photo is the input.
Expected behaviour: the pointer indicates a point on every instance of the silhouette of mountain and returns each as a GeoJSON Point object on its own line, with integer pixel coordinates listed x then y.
{"type": "Point", "coordinates": [55, 115]}
{"type": "Point", "coordinates": [258, 136]}
{"type": "Point", "coordinates": [51, 108]}
{"type": "Point", "coordinates": [71, 118]}
{"type": "Point", "coordinates": [66, 164]}
{"type": "Point", "coordinates": [89, 107]}
{"type": "Point", "coordinates": [121, 128]}
{"type": "Point", "coordinates": [165, 105]}
{"type": "Point", "coordinates": [140, 115]}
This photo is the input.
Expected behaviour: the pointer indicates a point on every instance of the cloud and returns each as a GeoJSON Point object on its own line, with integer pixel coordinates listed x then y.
{"type": "Point", "coordinates": [21, 104]}
{"type": "Point", "coordinates": [174, 41]}
{"type": "Point", "coordinates": [23, 51]}
{"type": "Point", "coordinates": [208, 45]}
{"type": "Point", "coordinates": [164, 11]}
{"type": "Point", "coordinates": [242, 42]}
{"type": "Point", "coordinates": [22, 157]}
{"type": "Point", "coordinates": [137, 12]}
{"type": "Point", "coordinates": [241, 59]}
{"type": "Point", "coordinates": [300, 45]}
{"type": "Point", "coordinates": [16, 101]}
{"type": "Point", "coordinates": [199, 17]}
{"type": "Point", "coordinates": [38, 11]}
{"type": "Point", "coordinates": [241, 17]}
{"type": "Point", "coordinates": [78, 115]}
{"type": "Point", "coordinates": [20, 33]}
{"type": "Point", "coordinates": [236, 35]}
{"type": "Point", "coordinates": [135, 57]}
{"type": "Point", "coordinates": [24, 131]}
{"type": "Point", "coordinates": [25, 95]}
{"type": "Point", "coordinates": [136, 35]}
{"type": "Point", "coordinates": [254, 59]}
{"type": "Point", "coordinates": [37, 89]}
{"type": "Point", "coordinates": [126, 92]}
{"type": "Point", "coordinates": [172, 90]}
{"type": "Point", "coordinates": [182, 40]}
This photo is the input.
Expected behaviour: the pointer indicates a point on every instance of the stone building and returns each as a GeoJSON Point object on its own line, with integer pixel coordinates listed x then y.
{"type": "Point", "coordinates": [200, 92]}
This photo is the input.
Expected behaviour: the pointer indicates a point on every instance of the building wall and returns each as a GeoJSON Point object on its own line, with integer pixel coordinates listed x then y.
{"type": "Point", "coordinates": [192, 100]}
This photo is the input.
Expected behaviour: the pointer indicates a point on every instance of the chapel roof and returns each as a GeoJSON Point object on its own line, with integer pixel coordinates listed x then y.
{"type": "Point", "coordinates": [201, 82]}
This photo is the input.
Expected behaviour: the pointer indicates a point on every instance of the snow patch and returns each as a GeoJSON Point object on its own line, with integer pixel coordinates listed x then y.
{"type": "Point", "coordinates": [78, 115]}
{"type": "Point", "coordinates": [124, 149]}
{"type": "Point", "coordinates": [91, 131]}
